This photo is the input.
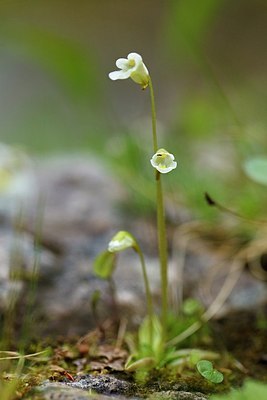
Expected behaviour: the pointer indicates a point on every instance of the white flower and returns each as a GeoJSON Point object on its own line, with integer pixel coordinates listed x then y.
{"type": "Point", "coordinates": [163, 161]}
{"type": "Point", "coordinates": [121, 241]}
{"type": "Point", "coordinates": [131, 67]}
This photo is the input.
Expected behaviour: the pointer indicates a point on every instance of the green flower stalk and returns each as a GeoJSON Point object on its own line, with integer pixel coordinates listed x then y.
{"type": "Point", "coordinates": [163, 162]}
{"type": "Point", "coordinates": [105, 263]}
{"type": "Point", "coordinates": [124, 240]}
{"type": "Point", "coordinates": [133, 67]}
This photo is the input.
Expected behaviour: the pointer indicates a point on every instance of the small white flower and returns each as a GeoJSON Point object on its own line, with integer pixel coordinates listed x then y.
{"type": "Point", "coordinates": [121, 241]}
{"type": "Point", "coordinates": [131, 67]}
{"type": "Point", "coordinates": [163, 161]}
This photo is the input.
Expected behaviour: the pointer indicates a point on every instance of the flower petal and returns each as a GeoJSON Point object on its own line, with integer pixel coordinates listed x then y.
{"type": "Point", "coordinates": [122, 63]}
{"type": "Point", "coordinates": [119, 75]}
{"type": "Point", "coordinates": [164, 170]}
{"type": "Point", "coordinates": [136, 57]}
{"type": "Point", "coordinates": [131, 67]}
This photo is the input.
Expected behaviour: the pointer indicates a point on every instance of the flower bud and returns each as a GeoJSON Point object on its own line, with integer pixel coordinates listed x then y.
{"type": "Point", "coordinates": [121, 241]}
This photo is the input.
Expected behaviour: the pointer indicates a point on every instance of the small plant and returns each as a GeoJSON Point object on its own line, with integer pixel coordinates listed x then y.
{"type": "Point", "coordinates": [106, 261]}
{"type": "Point", "coordinates": [156, 345]}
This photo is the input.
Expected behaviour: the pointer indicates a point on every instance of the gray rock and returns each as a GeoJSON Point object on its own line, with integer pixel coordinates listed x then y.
{"type": "Point", "coordinates": [20, 261]}
{"type": "Point", "coordinates": [105, 387]}
{"type": "Point", "coordinates": [79, 195]}
{"type": "Point", "coordinates": [59, 391]}
{"type": "Point", "coordinates": [72, 210]}
{"type": "Point", "coordinates": [104, 384]}
{"type": "Point", "coordinates": [173, 395]}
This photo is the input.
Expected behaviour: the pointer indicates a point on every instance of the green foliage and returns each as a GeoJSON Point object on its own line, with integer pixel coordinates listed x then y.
{"type": "Point", "coordinates": [152, 352]}
{"type": "Point", "coordinates": [9, 387]}
{"type": "Point", "coordinates": [150, 349]}
{"type": "Point", "coordinates": [63, 108]}
{"type": "Point", "coordinates": [148, 352]}
{"type": "Point", "coordinates": [61, 57]}
{"type": "Point", "coordinates": [256, 169]}
{"type": "Point", "coordinates": [192, 307]}
{"type": "Point", "coordinates": [205, 368]}
{"type": "Point", "coordinates": [262, 321]}
{"type": "Point", "coordinates": [104, 264]}
{"type": "Point", "coordinates": [146, 345]}
{"type": "Point", "coordinates": [191, 312]}
{"type": "Point", "coordinates": [190, 20]}
{"type": "Point", "coordinates": [252, 390]}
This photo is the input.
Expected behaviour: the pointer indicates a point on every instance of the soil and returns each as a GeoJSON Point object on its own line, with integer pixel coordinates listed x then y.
{"type": "Point", "coordinates": [244, 335]}
{"type": "Point", "coordinates": [94, 365]}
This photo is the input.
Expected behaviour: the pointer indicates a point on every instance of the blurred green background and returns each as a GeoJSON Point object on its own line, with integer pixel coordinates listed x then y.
{"type": "Point", "coordinates": [208, 62]}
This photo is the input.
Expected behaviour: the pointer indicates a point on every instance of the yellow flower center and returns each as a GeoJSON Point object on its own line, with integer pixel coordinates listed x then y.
{"type": "Point", "coordinates": [131, 63]}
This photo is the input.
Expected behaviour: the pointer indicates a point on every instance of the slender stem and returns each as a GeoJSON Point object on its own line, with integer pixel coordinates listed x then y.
{"type": "Point", "coordinates": [154, 119]}
{"type": "Point", "coordinates": [148, 292]}
{"type": "Point", "coordinates": [161, 226]}
{"type": "Point", "coordinates": [162, 244]}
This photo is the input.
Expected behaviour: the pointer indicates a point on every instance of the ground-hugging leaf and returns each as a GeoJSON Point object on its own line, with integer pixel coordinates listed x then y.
{"type": "Point", "coordinates": [250, 391]}
{"type": "Point", "coordinates": [256, 169]}
{"type": "Point", "coordinates": [205, 368]}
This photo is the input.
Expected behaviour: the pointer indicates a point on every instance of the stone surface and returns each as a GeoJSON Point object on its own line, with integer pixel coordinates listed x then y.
{"type": "Point", "coordinates": [59, 391]}
{"type": "Point", "coordinates": [105, 387]}
{"type": "Point", "coordinates": [72, 210]}
{"type": "Point", "coordinates": [105, 384]}
{"type": "Point", "coordinates": [173, 395]}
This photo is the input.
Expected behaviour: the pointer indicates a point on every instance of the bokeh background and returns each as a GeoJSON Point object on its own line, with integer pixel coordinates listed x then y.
{"type": "Point", "coordinates": [208, 62]}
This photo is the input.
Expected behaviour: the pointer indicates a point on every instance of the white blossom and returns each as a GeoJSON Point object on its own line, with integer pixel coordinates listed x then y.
{"type": "Point", "coordinates": [131, 67]}
{"type": "Point", "coordinates": [163, 161]}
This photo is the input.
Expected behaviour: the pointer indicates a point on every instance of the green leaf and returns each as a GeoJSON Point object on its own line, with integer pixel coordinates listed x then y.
{"type": "Point", "coordinates": [256, 169]}
{"type": "Point", "coordinates": [104, 264]}
{"type": "Point", "coordinates": [146, 363]}
{"type": "Point", "coordinates": [189, 356]}
{"type": "Point", "coordinates": [146, 346]}
{"type": "Point", "coordinates": [205, 368]}
{"type": "Point", "coordinates": [251, 390]}
{"type": "Point", "coordinates": [192, 307]}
